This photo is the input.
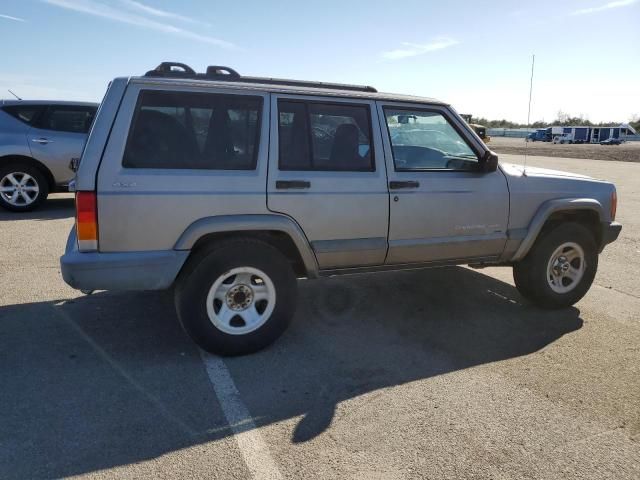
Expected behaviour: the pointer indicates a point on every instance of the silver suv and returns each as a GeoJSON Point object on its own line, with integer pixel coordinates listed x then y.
{"type": "Point", "coordinates": [38, 139]}
{"type": "Point", "coordinates": [229, 188]}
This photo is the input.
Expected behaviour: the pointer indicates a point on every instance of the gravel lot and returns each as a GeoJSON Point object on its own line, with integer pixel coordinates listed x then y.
{"type": "Point", "coordinates": [445, 373]}
{"type": "Point", "coordinates": [627, 152]}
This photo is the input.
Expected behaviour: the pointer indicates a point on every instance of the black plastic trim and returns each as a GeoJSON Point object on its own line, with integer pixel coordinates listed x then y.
{"type": "Point", "coordinates": [610, 232]}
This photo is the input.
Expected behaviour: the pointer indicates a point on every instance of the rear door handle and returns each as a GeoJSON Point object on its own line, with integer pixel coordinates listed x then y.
{"type": "Point", "coordinates": [395, 185]}
{"type": "Point", "coordinates": [286, 184]}
{"type": "Point", "coordinates": [41, 140]}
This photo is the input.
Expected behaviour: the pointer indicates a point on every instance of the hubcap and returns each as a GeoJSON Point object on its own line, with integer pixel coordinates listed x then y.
{"type": "Point", "coordinates": [19, 189]}
{"type": "Point", "coordinates": [566, 267]}
{"type": "Point", "coordinates": [241, 300]}
{"type": "Point", "coordinates": [239, 297]}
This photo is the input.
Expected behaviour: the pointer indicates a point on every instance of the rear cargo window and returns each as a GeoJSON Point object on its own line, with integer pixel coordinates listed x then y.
{"type": "Point", "coordinates": [175, 130]}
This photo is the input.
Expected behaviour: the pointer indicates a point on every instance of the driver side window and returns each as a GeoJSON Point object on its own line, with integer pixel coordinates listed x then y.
{"type": "Point", "coordinates": [425, 140]}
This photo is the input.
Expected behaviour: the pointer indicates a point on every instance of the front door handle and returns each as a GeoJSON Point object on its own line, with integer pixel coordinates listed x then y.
{"type": "Point", "coordinates": [286, 184]}
{"type": "Point", "coordinates": [395, 185]}
{"type": "Point", "coordinates": [41, 140]}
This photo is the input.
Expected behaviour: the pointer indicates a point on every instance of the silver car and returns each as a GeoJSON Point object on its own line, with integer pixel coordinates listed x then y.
{"type": "Point", "coordinates": [229, 188]}
{"type": "Point", "coordinates": [38, 139]}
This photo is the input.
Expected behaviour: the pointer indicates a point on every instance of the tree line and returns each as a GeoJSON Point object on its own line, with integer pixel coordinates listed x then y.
{"type": "Point", "coordinates": [563, 119]}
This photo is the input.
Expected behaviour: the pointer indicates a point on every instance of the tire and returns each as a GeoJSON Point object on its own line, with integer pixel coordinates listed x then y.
{"type": "Point", "coordinates": [216, 296]}
{"type": "Point", "coordinates": [521, 279]}
{"type": "Point", "coordinates": [572, 249]}
{"type": "Point", "coordinates": [22, 187]}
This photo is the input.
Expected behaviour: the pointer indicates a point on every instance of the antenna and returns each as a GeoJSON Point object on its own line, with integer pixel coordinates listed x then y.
{"type": "Point", "coordinates": [533, 61]}
{"type": "Point", "coordinates": [14, 94]}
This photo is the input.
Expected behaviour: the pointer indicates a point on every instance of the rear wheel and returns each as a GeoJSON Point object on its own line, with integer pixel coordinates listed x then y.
{"type": "Point", "coordinates": [560, 268]}
{"type": "Point", "coordinates": [236, 297]}
{"type": "Point", "coordinates": [22, 187]}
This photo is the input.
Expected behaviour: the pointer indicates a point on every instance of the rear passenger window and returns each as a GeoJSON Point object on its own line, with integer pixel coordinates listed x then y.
{"type": "Point", "coordinates": [318, 136]}
{"type": "Point", "coordinates": [194, 131]}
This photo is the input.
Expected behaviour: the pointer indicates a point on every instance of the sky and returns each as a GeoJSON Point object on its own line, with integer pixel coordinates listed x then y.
{"type": "Point", "coordinates": [474, 55]}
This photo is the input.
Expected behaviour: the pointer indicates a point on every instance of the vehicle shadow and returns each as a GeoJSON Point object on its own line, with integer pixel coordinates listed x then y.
{"type": "Point", "coordinates": [110, 379]}
{"type": "Point", "coordinates": [56, 207]}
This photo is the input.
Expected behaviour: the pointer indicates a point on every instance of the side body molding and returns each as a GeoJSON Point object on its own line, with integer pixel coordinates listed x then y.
{"type": "Point", "coordinates": [243, 223]}
{"type": "Point", "coordinates": [545, 211]}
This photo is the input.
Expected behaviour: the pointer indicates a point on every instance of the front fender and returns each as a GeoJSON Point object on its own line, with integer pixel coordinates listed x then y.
{"type": "Point", "coordinates": [547, 209]}
{"type": "Point", "coordinates": [244, 223]}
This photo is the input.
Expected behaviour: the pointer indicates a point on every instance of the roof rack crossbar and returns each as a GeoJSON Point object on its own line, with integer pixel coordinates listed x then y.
{"type": "Point", "coordinates": [171, 69]}
{"type": "Point", "coordinates": [215, 71]}
{"type": "Point", "coordinates": [220, 73]}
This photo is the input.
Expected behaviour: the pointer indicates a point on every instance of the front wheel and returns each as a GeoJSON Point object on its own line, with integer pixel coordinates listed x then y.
{"type": "Point", "coordinates": [236, 297]}
{"type": "Point", "coordinates": [560, 267]}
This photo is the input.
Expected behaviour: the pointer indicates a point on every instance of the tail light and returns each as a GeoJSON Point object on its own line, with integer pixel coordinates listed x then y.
{"type": "Point", "coordinates": [87, 221]}
{"type": "Point", "coordinates": [614, 205]}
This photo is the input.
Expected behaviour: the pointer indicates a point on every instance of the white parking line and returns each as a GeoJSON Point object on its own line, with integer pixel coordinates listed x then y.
{"type": "Point", "coordinates": [254, 451]}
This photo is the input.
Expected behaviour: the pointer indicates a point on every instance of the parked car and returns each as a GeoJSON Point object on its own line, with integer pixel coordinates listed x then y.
{"type": "Point", "coordinates": [229, 188]}
{"type": "Point", "coordinates": [611, 141]}
{"type": "Point", "coordinates": [38, 139]}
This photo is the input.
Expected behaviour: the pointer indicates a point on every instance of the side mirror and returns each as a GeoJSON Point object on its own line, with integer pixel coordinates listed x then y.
{"type": "Point", "coordinates": [489, 162]}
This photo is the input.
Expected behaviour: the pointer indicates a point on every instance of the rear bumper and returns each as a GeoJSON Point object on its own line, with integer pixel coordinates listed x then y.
{"type": "Point", "coordinates": [610, 232]}
{"type": "Point", "coordinates": [154, 270]}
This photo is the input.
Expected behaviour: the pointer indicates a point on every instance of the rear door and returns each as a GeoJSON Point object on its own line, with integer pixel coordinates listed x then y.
{"type": "Point", "coordinates": [442, 207]}
{"type": "Point", "coordinates": [327, 172]}
{"type": "Point", "coordinates": [58, 136]}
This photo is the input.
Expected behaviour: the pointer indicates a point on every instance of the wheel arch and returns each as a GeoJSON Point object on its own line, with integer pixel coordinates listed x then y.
{"type": "Point", "coordinates": [586, 211]}
{"type": "Point", "coordinates": [277, 230]}
{"type": "Point", "coordinates": [8, 159]}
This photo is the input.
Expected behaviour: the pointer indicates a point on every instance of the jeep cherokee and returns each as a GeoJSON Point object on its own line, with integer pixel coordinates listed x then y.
{"type": "Point", "coordinates": [229, 188]}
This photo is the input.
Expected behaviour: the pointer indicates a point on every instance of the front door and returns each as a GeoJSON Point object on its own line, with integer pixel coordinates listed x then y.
{"type": "Point", "coordinates": [326, 171]}
{"type": "Point", "coordinates": [442, 207]}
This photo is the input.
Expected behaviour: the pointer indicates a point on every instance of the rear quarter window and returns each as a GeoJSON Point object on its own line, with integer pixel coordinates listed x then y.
{"type": "Point", "coordinates": [28, 114]}
{"type": "Point", "coordinates": [184, 130]}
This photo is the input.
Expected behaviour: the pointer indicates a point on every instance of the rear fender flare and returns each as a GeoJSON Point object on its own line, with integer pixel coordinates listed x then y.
{"type": "Point", "coordinates": [244, 223]}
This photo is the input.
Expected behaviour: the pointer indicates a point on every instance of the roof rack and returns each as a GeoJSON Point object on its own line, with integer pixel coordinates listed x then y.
{"type": "Point", "coordinates": [227, 74]}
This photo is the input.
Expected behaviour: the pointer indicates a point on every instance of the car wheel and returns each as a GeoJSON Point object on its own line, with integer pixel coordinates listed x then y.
{"type": "Point", "coordinates": [236, 297]}
{"type": "Point", "coordinates": [22, 187]}
{"type": "Point", "coordinates": [560, 267]}
{"type": "Point", "coordinates": [521, 279]}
